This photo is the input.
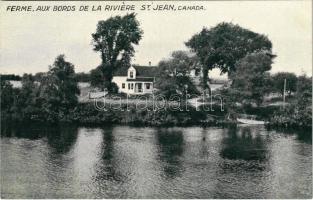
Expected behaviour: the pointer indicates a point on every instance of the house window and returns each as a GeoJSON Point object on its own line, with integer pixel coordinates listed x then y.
{"type": "Point", "coordinates": [123, 85]}
{"type": "Point", "coordinates": [131, 74]}
{"type": "Point", "coordinates": [129, 86]}
{"type": "Point", "coordinates": [148, 86]}
{"type": "Point", "coordinates": [132, 86]}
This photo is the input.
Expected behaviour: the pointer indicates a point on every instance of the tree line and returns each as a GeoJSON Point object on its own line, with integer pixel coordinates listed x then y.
{"type": "Point", "coordinates": [50, 98]}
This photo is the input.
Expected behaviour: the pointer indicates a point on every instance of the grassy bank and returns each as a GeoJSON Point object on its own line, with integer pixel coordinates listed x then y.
{"type": "Point", "coordinates": [158, 115]}
{"type": "Point", "coordinates": [131, 114]}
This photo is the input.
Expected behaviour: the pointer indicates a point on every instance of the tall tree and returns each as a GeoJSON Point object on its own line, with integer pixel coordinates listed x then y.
{"type": "Point", "coordinates": [251, 79]}
{"type": "Point", "coordinates": [115, 39]}
{"type": "Point", "coordinates": [225, 44]}
{"type": "Point", "coordinates": [179, 64]}
{"type": "Point", "coordinates": [172, 74]}
{"type": "Point", "coordinates": [59, 89]}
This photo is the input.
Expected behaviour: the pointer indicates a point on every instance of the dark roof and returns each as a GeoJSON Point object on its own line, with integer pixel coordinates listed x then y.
{"type": "Point", "coordinates": [122, 71]}
{"type": "Point", "coordinates": [146, 71]}
{"type": "Point", "coordinates": [142, 79]}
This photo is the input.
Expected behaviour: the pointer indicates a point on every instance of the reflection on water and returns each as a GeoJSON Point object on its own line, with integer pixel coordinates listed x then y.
{"type": "Point", "coordinates": [171, 147]}
{"type": "Point", "coordinates": [106, 168]}
{"type": "Point", "coordinates": [237, 138]}
{"type": "Point", "coordinates": [128, 162]}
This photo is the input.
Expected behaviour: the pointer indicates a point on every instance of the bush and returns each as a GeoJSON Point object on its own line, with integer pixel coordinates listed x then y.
{"type": "Point", "coordinates": [292, 116]}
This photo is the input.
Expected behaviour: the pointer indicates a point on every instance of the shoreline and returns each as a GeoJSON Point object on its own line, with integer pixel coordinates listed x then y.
{"type": "Point", "coordinates": [203, 124]}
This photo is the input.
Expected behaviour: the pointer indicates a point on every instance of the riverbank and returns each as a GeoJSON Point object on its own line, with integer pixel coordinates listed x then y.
{"type": "Point", "coordinates": [149, 115]}
{"type": "Point", "coordinates": [130, 114]}
{"type": "Point", "coordinates": [28, 105]}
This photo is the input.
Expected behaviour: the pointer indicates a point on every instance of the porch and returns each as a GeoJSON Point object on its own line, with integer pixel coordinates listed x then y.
{"type": "Point", "coordinates": [142, 87]}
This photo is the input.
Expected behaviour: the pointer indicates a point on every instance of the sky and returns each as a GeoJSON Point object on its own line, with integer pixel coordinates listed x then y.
{"type": "Point", "coordinates": [30, 41]}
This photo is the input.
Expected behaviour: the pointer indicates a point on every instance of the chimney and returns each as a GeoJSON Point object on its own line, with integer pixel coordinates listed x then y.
{"type": "Point", "coordinates": [149, 63]}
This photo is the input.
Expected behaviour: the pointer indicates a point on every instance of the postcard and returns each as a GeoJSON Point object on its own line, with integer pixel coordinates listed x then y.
{"type": "Point", "coordinates": [156, 99]}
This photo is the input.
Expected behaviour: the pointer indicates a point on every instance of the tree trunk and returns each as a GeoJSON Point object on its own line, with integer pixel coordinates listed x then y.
{"type": "Point", "coordinates": [205, 85]}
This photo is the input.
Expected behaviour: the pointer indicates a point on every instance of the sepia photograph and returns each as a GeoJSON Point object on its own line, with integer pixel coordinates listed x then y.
{"type": "Point", "coordinates": [156, 99]}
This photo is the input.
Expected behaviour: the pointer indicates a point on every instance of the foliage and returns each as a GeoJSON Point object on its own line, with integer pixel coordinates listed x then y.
{"type": "Point", "coordinates": [7, 95]}
{"type": "Point", "coordinates": [28, 99]}
{"type": "Point", "coordinates": [86, 113]}
{"type": "Point", "coordinates": [292, 116]}
{"type": "Point", "coordinates": [20, 103]}
{"type": "Point", "coordinates": [97, 78]}
{"type": "Point", "coordinates": [114, 39]}
{"type": "Point", "coordinates": [304, 98]}
{"type": "Point", "coordinates": [82, 77]}
{"type": "Point", "coordinates": [172, 75]}
{"type": "Point", "coordinates": [278, 82]}
{"type": "Point", "coordinates": [39, 76]}
{"type": "Point", "coordinates": [299, 113]}
{"type": "Point", "coordinates": [224, 45]}
{"type": "Point", "coordinates": [180, 64]}
{"type": "Point", "coordinates": [251, 79]}
{"type": "Point", "coordinates": [48, 100]}
{"type": "Point", "coordinates": [304, 90]}
{"type": "Point", "coordinates": [12, 77]}
{"type": "Point", "coordinates": [176, 86]}
{"type": "Point", "coordinates": [59, 89]}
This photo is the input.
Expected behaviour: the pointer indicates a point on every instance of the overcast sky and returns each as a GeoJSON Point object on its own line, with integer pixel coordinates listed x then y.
{"type": "Point", "coordinates": [31, 41]}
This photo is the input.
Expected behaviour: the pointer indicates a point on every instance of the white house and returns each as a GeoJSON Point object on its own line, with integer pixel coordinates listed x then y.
{"type": "Point", "coordinates": [135, 80]}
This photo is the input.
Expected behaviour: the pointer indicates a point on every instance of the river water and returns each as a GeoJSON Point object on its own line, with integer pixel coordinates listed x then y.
{"type": "Point", "coordinates": [132, 162]}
